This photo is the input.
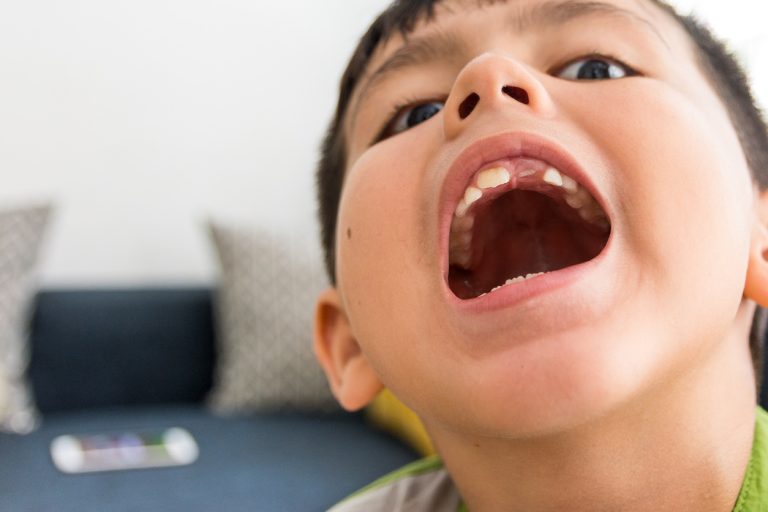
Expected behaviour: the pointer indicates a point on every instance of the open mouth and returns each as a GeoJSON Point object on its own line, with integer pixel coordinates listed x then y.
{"type": "Point", "coordinates": [518, 219]}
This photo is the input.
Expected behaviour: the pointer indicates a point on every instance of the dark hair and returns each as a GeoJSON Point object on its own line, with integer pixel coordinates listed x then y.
{"type": "Point", "coordinates": [720, 67]}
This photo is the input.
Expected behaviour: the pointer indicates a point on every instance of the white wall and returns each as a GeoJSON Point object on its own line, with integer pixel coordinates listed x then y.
{"type": "Point", "coordinates": [143, 118]}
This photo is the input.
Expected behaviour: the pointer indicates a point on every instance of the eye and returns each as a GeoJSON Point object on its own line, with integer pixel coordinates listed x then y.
{"type": "Point", "coordinates": [595, 68]}
{"type": "Point", "coordinates": [411, 116]}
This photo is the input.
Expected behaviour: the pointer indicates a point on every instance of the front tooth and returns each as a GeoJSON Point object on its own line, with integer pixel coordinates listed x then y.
{"type": "Point", "coordinates": [553, 177]}
{"type": "Point", "coordinates": [471, 195]}
{"type": "Point", "coordinates": [491, 178]}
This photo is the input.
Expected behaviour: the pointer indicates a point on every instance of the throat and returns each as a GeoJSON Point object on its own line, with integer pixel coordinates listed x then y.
{"type": "Point", "coordinates": [522, 233]}
{"type": "Point", "coordinates": [685, 468]}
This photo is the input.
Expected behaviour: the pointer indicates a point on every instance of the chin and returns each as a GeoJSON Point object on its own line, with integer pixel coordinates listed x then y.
{"type": "Point", "coordinates": [550, 387]}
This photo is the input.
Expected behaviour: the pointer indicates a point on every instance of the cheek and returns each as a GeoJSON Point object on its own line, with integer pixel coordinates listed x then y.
{"type": "Point", "coordinates": [382, 239]}
{"type": "Point", "coordinates": [683, 192]}
{"type": "Point", "coordinates": [372, 216]}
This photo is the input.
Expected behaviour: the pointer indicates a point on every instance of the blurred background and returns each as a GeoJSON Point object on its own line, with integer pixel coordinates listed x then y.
{"type": "Point", "coordinates": [141, 120]}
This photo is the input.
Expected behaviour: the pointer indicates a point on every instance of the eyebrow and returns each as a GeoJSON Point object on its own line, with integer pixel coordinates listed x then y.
{"type": "Point", "coordinates": [442, 46]}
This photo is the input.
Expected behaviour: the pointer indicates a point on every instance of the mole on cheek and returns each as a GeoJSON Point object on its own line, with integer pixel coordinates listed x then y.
{"type": "Point", "coordinates": [349, 233]}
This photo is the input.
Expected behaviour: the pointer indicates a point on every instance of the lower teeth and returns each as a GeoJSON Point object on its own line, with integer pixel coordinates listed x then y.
{"type": "Point", "coordinates": [518, 279]}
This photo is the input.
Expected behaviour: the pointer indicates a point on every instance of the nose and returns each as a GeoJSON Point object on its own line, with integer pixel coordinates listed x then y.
{"type": "Point", "coordinates": [492, 81]}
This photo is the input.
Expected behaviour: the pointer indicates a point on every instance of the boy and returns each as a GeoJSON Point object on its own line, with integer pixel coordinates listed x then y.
{"type": "Point", "coordinates": [544, 224]}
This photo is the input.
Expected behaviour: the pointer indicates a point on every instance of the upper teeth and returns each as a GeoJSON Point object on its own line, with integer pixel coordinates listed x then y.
{"type": "Point", "coordinates": [471, 195]}
{"type": "Point", "coordinates": [494, 177]}
{"type": "Point", "coordinates": [569, 184]}
{"type": "Point", "coordinates": [553, 177]}
{"type": "Point", "coordinates": [530, 173]}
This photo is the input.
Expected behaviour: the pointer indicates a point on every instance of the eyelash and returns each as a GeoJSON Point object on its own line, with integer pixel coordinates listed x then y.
{"type": "Point", "coordinates": [394, 113]}
{"type": "Point", "coordinates": [595, 55]}
{"type": "Point", "coordinates": [412, 102]}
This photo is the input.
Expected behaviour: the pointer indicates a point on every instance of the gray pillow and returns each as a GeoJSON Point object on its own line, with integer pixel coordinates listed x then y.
{"type": "Point", "coordinates": [21, 231]}
{"type": "Point", "coordinates": [264, 309]}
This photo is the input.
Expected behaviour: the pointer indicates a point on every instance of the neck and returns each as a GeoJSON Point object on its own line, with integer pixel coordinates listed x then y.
{"type": "Point", "coordinates": [685, 447]}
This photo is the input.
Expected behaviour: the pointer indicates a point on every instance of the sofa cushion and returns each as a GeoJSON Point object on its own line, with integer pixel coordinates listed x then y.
{"type": "Point", "coordinates": [260, 462]}
{"type": "Point", "coordinates": [264, 308]}
{"type": "Point", "coordinates": [21, 231]}
{"type": "Point", "coordinates": [95, 348]}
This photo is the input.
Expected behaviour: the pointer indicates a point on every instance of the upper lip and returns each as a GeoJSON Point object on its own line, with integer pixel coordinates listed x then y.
{"type": "Point", "coordinates": [498, 147]}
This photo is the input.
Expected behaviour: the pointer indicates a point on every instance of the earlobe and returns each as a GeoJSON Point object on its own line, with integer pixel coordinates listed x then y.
{"type": "Point", "coordinates": [756, 285]}
{"type": "Point", "coordinates": [351, 377]}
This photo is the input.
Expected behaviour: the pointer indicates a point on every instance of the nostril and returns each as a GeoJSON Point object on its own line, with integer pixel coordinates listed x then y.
{"type": "Point", "coordinates": [516, 93]}
{"type": "Point", "coordinates": [468, 105]}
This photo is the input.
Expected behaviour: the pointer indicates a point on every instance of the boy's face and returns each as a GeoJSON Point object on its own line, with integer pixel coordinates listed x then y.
{"type": "Point", "coordinates": [635, 303]}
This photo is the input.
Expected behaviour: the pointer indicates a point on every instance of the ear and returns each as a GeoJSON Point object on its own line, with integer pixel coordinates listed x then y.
{"type": "Point", "coordinates": [756, 286]}
{"type": "Point", "coordinates": [352, 379]}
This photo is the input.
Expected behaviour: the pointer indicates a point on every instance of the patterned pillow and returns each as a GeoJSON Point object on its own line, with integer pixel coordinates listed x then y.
{"type": "Point", "coordinates": [21, 231]}
{"type": "Point", "coordinates": [264, 309]}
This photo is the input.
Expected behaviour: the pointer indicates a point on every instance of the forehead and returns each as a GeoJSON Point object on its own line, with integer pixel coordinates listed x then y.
{"type": "Point", "coordinates": [524, 14]}
{"type": "Point", "coordinates": [455, 20]}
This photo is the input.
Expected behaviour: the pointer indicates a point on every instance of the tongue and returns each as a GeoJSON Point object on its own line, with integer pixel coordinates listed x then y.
{"type": "Point", "coordinates": [523, 232]}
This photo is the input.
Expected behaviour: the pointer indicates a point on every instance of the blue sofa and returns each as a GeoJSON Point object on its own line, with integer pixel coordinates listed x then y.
{"type": "Point", "coordinates": [124, 360]}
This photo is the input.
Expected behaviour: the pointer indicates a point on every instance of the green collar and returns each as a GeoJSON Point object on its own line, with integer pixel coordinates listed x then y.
{"type": "Point", "coordinates": [753, 496]}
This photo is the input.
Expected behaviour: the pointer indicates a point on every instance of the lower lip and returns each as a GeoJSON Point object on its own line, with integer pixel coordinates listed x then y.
{"type": "Point", "coordinates": [512, 295]}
